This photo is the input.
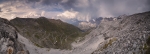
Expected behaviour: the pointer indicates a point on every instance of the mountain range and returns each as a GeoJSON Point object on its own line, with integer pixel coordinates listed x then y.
{"type": "Point", "coordinates": [120, 35]}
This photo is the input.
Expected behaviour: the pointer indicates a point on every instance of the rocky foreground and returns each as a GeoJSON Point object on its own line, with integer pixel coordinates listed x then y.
{"type": "Point", "coordinates": [129, 35]}
{"type": "Point", "coordinates": [9, 43]}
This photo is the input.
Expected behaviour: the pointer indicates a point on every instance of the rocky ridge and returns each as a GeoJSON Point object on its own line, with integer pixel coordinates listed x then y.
{"type": "Point", "coordinates": [9, 43]}
{"type": "Point", "coordinates": [128, 35]}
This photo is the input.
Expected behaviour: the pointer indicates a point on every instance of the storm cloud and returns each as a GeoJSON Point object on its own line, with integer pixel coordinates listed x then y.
{"type": "Point", "coordinates": [79, 9]}
{"type": "Point", "coordinates": [101, 7]}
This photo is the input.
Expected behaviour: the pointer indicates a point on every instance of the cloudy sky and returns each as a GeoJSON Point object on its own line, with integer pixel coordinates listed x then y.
{"type": "Point", "coordinates": [82, 10]}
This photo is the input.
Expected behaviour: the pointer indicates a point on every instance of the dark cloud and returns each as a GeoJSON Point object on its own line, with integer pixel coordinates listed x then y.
{"type": "Point", "coordinates": [0, 10]}
{"type": "Point", "coordinates": [148, 4]}
{"type": "Point", "coordinates": [2, 1]}
{"type": "Point", "coordinates": [46, 2]}
{"type": "Point", "coordinates": [67, 5]}
{"type": "Point", "coordinates": [50, 2]}
{"type": "Point", "coordinates": [33, 0]}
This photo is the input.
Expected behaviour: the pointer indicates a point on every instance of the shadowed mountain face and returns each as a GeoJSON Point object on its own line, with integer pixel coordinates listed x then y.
{"type": "Point", "coordinates": [47, 33]}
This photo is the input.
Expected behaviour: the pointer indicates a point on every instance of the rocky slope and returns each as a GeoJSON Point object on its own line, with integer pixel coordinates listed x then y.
{"type": "Point", "coordinates": [128, 35]}
{"type": "Point", "coordinates": [47, 33]}
{"type": "Point", "coordinates": [9, 43]}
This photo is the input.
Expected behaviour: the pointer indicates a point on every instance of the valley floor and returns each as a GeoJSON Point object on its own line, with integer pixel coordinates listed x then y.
{"type": "Point", "coordinates": [87, 46]}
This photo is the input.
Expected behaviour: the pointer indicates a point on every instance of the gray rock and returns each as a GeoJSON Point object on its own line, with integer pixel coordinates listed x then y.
{"type": "Point", "coordinates": [8, 39]}
{"type": "Point", "coordinates": [131, 34]}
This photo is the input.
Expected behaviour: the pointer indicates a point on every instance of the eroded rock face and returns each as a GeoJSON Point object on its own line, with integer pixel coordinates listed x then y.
{"type": "Point", "coordinates": [8, 39]}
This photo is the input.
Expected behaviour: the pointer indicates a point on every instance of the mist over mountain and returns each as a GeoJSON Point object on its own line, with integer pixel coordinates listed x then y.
{"type": "Point", "coordinates": [87, 25]}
